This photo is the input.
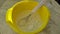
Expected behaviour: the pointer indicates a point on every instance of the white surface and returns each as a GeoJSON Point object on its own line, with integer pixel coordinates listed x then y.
{"type": "Point", "coordinates": [52, 28]}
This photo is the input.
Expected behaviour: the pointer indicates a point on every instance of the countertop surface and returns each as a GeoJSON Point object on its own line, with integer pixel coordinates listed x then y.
{"type": "Point", "coordinates": [53, 26]}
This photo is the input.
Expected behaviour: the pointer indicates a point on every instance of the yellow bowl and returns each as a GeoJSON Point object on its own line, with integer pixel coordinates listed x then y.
{"type": "Point", "coordinates": [13, 12]}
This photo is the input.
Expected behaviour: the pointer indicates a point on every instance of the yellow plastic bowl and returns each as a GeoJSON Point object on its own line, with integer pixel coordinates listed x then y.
{"type": "Point", "coordinates": [12, 13]}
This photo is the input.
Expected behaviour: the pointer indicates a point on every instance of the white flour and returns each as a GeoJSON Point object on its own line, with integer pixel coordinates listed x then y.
{"type": "Point", "coordinates": [33, 23]}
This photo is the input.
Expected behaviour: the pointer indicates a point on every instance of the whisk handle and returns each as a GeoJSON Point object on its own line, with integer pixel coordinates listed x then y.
{"type": "Point", "coordinates": [38, 6]}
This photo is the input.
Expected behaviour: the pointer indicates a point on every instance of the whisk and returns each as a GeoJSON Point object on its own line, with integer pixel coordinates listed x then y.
{"type": "Point", "coordinates": [34, 10]}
